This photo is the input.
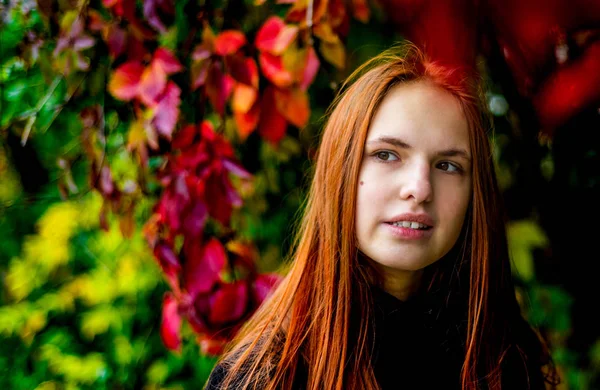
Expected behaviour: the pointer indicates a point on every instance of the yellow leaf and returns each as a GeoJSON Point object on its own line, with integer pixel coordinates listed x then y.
{"type": "Point", "coordinates": [523, 237]}
{"type": "Point", "coordinates": [334, 53]}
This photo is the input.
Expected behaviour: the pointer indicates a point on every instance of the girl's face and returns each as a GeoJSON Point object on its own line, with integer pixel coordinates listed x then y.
{"type": "Point", "coordinates": [415, 180]}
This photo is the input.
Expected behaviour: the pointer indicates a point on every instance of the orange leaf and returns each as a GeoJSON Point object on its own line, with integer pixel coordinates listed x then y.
{"type": "Point", "coordinates": [275, 36]}
{"type": "Point", "coordinates": [272, 124]}
{"type": "Point", "coordinates": [167, 61]}
{"type": "Point", "coordinates": [247, 122]}
{"type": "Point", "coordinates": [273, 69]}
{"type": "Point", "coordinates": [152, 83]}
{"type": "Point", "coordinates": [334, 53]}
{"type": "Point", "coordinates": [125, 81]}
{"type": "Point", "coordinates": [228, 42]}
{"type": "Point", "coordinates": [244, 97]}
{"type": "Point", "coordinates": [293, 105]}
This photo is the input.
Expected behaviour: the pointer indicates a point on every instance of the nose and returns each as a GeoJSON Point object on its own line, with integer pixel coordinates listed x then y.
{"type": "Point", "coordinates": [416, 184]}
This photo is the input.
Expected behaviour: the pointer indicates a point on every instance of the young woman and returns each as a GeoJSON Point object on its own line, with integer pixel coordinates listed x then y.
{"type": "Point", "coordinates": [400, 277]}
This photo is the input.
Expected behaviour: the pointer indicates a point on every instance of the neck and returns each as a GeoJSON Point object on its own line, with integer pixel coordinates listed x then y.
{"type": "Point", "coordinates": [400, 283]}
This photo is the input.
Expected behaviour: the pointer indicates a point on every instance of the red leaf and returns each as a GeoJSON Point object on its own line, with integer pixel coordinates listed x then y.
{"type": "Point", "coordinates": [169, 263]}
{"type": "Point", "coordinates": [203, 265]}
{"type": "Point", "coordinates": [167, 61]}
{"type": "Point", "coordinates": [247, 122]}
{"type": "Point", "coordinates": [273, 70]}
{"type": "Point", "coordinates": [264, 285]}
{"type": "Point", "coordinates": [229, 303]}
{"type": "Point", "coordinates": [293, 105]}
{"type": "Point", "coordinates": [272, 124]}
{"type": "Point", "coordinates": [360, 10]}
{"type": "Point", "coordinates": [125, 81]}
{"type": "Point", "coordinates": [194, 219]}
{"type": "Point", "coordinates": [218, 87]}
{"type": "Point", "coordinates": [569, 89]}
{"type": "Point", "coordinates": [184, 137]}
{"type": "Point", "coordinates": [228, 42]}
{"type": "Point", "coordinates": [243, 70]}
{"type": "Point", "coordinates": [275, 36]}
{"type": "Point", "coordinates": [152, 83]}
{"type": "Point", "coordinates": [167, 110]}
{"type": "Point", "coordinates": [310, 69]}
{"type": "Point", "coordinates": [216, 195]}
{"type": "Point", "coordinates": [171, 323]}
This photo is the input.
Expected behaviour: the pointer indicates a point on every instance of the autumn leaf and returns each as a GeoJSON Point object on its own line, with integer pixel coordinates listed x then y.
{"type": "Point", "coordinates": [247, 122]}
{"type": "Point", "coordinates": [171, 323]}
{"type": "Point", "coordinates": [275, 36]}
{"type": "Point", "coordinates": [360, 10]}
{"type": "Point", "coordinates": [272, 125]}
{"type": "Point", "coordinates": [229, 303]}
{"type": "Point", "coordinates": [125, 80]}
{"type": "Point", "coordinates": [204, 263]}
{"type": "Point", "coordinates": [218, 87]}
{"type": "Point", "coordinates": [152, 83]}
{"type": "Point", "coordinates": [167, 110]}
{"type": "Point", "coordinates": [243, 70]}
{"type": "Point", "coordinates": [167, 61]}
{"type": "Point", "coordinates": [293, 105]}
{"type": "Point", "coordinates": [334, 53]}
{"type": "Point", "coordinates": [244, 97]}
{"type": "Point", "coordinates": [228, 42]}
{"type": "Point", "coordinates": [273, 69]}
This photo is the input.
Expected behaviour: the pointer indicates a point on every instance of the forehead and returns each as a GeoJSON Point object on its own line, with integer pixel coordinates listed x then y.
{"type": "Point", "coordinates": [421, 111]}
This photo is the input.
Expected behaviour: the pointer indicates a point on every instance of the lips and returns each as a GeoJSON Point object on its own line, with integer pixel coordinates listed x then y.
{"type": "Point", "coordinates": [422, 218]}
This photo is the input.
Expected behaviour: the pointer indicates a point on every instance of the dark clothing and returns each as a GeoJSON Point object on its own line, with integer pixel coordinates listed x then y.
{"type": "Point", "coordinates": [418, 344]}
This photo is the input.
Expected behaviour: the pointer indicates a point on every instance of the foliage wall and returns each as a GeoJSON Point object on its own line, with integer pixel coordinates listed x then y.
{"type": "Point", "coordinates": [154, 160]}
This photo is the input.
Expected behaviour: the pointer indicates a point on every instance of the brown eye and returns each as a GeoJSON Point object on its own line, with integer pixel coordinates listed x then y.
{"type": "Point", "coordinates": [449, 167]}
{"type": "Point", "coordinates": [385, 156]}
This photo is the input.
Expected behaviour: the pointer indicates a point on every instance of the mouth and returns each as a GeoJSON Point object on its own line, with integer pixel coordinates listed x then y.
{"type": "Point", "coordinates": [410, 225]}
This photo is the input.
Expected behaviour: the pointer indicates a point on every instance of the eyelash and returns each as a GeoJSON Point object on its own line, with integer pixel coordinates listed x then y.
{"type": "Point", "coordinates": [457, 168]}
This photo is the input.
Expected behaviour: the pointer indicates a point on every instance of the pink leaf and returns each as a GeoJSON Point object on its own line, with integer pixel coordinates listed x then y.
{"type": "Point", "coordinates": [310, 69]}
{"type": "Point", "coordinates": [167, 61]}
{"type": "Point", "coordinates": [229, 303]}
{"type": "Point", "coordinates": [152, 83]}
{"type": "Point", "coordinates": [194, 219]}
{"type": "Point", "coordinates": [275, 36]}
{"type": "Point", "coordinates": [167, 110]}
{"type": "Point", "coordinates": [264, 285]}
{"type": "Point", "coordinates": [203, 265]}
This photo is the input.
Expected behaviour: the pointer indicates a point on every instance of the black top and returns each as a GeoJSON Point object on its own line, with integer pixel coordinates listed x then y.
{"type": "Point", "coordinates": [418, 344]}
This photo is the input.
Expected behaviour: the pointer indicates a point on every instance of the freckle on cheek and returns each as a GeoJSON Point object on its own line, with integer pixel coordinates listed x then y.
{"type": "Point", "coordinates": [362, 182]}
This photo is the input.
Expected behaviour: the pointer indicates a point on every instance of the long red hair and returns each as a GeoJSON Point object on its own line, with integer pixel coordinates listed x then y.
{"type": "Point", "coordinates": [308, 317]}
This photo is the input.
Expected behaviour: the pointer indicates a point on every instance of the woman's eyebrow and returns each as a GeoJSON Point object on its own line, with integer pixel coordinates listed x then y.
{"type": "Point", "coordinates": [452, 152]}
